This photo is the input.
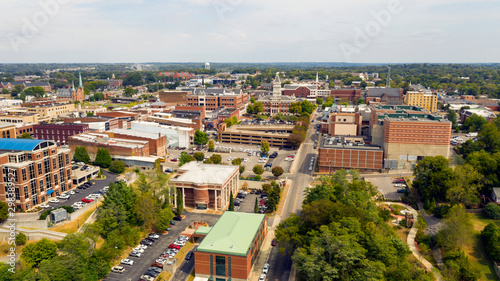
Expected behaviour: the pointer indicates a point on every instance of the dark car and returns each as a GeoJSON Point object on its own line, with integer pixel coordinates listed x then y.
{"type": "Point", "coordinates": [402, 190]}
{"type": "Point", "coordinates": [273, 243]}
{"type": "Point", "coordinates": [172, 222]}
{"type": "Point", "coordinates": [189, 255]}
{"type": "Point", "coordinates": [273, 155]}
{"type": "Point", "coordinates": [147, 242]}
{"type": "Point", "coordinates": [236, 203]}
{"type": "Point", "coordinates": [74, 167]}
{"type": "Point", "coordinates": [177, 218]}
{"type": "Point", "coordinates": [152, 273]}
{"type": "Point", "coordinates": [169, 170]}
{"type": "Point", "coordinates": [268, 165]}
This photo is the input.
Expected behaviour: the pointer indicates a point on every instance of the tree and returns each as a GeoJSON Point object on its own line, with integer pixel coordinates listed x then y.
{"type": "Point", "coordinates": [164, 217]}
{"type": "Point", "coordinates": [242, 169]}
{"type": "Point", "coordinates": [319, 100]}
{"type": "Point", "coordinates": [236, 161]}
{"type": "Point", "coordinates": [295, 107]}
{"type": "Point", "coordinates": [216, 158]}
{"type": "Point", "coordinates": [185, 158]}
{"type": "Point", "coordinates": [258, 169]}
{"type": "Point", "coordinates": [89, 114]}
{"type": "Point", "coordinates": [180, 203]}
{"type": "Point", "coordinates": [34, 253]}
{"type": "Point", "coordinates": [492, 211]}
{"type": "Point", "coordinates": [307, 107]}
{"type": "Point", "coordinates": [277, 171]}
{"type": "Point", "coordinates": [102, 158]}
{"type": "Point", "coordinates": [231, 121]}
{"type": "Point", "coordinates": [258, 107]}
{"type": "Point", "coordinates": [452, 117]}
{"type": "Point", "coordinates": [457, 230]}
{"type": "Point", "coordinates": [98, 96]}
{"type": "Point", "coordinates": [256, 206]}
{"type": "Point", "coordinates": [211, 145]}
{"type": "Point", "coordinates": [199, 156]}
{"type": "Point", "coordinates": [81, 155]}
{"type": "Point", "coordinates": [200, 137]}
{"type": "Point", "coordinates": [250, 109]}
{"type": "Point", "coordinates": [128, 92]}
{"type": "Point", "coordinates": [466, 186]}
{"type": "Point", "coordinates": [252, 100]}
{"type": "Point", "coordinates": [474, 123]}
{"type": "Point", "coordinates": [117, 167]}
{"type": "Point", "coordinates": [433, 178]}
{"type": "Point", "coordinates": [4, 211]}
{"type": "Point", "coordinates": [21, 239]}
{"type": "Point", "coordinates": [231, 202]}
{"type": "Point", "coordinates": [264, 147]}
{"type": "Point", "coordinates": [296, 138]}
{"type": "Point", "coordinates": [25, 136]}
{"type": "Point", "coordinates": [490, 236]}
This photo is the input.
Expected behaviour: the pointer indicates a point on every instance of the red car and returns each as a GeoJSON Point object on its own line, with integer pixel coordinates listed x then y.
{"type": "Point", "coordinates": [157, 264]}
{"type": "Point", "coordinates": [87, 200]}
{"type": "Point", "coordinates": [273, 243]}
{"type": "Point", "coordinates": [173, 246]}
{"type": "Point", "coordinates": [173, 159]}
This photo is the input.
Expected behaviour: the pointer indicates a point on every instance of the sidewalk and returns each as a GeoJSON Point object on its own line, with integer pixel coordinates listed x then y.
{"type": "Point", "coordinates": [265, 251]}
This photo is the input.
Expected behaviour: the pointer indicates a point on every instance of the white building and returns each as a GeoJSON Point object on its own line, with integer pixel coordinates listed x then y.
{"type": "Point", "coordinates": [176, 136]}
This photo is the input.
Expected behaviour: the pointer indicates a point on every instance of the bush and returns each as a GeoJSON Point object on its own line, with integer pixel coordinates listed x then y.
{"type": "Point", "coordinates": [117, 167]}
{"type": "Point", "coordinates": [441, 211]}
{"type": "Point", "coordinates": [21, 239]}
{"type": "Point", "coordinates": [385, 214]}
{"type": "Point", "coordinates": [492, 211]}
{"type": "Point", "coordinates": [258, 177]}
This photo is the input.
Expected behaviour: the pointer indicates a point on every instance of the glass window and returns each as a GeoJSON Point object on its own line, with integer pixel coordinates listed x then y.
{"type": "Point", "coordinates": [23, 172]}
{"type": "Point", "coordinates": [54, 164]}
{"type": "Point", "coordinates": [26, 192]}
{"type": "Point", "coordinates": [40, 171]}
{"type": "Point", "coordinates": [42, 188]}
{"type": "Point", "coordinates": [220, 266]}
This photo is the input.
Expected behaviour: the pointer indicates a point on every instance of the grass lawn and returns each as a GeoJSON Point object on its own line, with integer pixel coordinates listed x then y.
{"type": "Point", "coordinates": [183, 251]}
{"type": "Point", "coordinates": [476, 251]}
{"type": "Point", "coordinates": [72, 226]}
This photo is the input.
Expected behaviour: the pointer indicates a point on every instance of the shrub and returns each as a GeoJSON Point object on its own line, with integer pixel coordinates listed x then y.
{"type": "Point", "coordinates": [117, 167]}
{"type": "Point", "coordinates": [492, 211]}
{"type": "Point", "coordinates": [21, 239]}
{"type": "Point", "coordinates": [258, 177]}
{"type": "Point", "coordinates": [441, 211]}
{"type": "Point", "coordinates": [385, 214]}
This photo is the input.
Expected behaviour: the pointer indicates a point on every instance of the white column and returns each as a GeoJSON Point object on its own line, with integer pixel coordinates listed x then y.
{"type": "Point", "coordinates": [183, 198]}
{"type": "Point", "coordinates": [215, 193]}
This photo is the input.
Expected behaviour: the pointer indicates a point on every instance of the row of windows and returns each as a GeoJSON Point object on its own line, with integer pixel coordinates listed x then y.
{"type": "Point", "coordinates": [48, 184]}
{"type": "Point", "coordinates": [65, 132]}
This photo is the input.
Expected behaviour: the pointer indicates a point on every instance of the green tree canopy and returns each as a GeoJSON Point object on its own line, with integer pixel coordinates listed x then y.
{"type": "Point", "coordinates": [277, 171]}
{"type": "Point", "coordinates": [81, 155]}
{"type": "Point", "coordinates": [216, 158]}
{"type": "Point", "coordinates": [258, 169]}
{"type": "Point", "coordinates": [102, 158]}
{"type": "Point", "coordinates": [200, 137]}
{"type": "Point", "coordinates": [199, 156]}
{"type": "Point", "coordinates": [264, 147]}
{"type": "Point", "coordinates": [35, 253]}
{"type": "Point", "coordinates": [117, 166]}
{"type": "Point", "coordinates": [185, 158]}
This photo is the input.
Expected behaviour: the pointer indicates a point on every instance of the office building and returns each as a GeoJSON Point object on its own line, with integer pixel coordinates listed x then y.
{"type": "Point", "coordinates": [423, 98]}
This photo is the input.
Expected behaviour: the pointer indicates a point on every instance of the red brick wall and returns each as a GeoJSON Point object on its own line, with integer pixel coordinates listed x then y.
{"type": "Point", "coordinates": [300, 92]}
{"type": "Point", "coordinates": [349, 159]}
{"type": "Point", "coordinates": [414, 132]}
{"type": "Point", "coordinates": [157, 146]}
{"type": "Point", "coordinates": [173, 97]}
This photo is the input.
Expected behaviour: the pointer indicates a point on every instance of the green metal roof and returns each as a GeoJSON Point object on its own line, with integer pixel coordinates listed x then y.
{"type": "Point", "coordinates": [203, 230]}
{"type": "Point", "coordinates": [233, 234]}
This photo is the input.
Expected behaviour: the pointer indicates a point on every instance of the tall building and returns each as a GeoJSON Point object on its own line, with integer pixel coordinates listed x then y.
{"type": "Point", "coordinates": [230, 248]}
{"type": "Point", "coordinates": [32, 171]}
{"type": "Point", "coordinates": [277, 103]}
{"type": "Point", "coordinates": [424, 98]}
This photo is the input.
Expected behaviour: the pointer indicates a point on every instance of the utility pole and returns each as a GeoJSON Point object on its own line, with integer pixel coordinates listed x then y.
{"type": "Point", "coordinates": [388, 83]}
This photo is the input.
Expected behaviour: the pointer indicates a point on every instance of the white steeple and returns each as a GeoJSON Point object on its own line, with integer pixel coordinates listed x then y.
{"type": "Point", "coordinates": [277, 86]}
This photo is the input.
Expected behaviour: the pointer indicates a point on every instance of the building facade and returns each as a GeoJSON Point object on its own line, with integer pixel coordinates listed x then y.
{"type": "Point", "coordinates": [116, 147]}
{"type": "Point", "coordinates": [231, 247]}
{"type": "Point", "coordinates": [424, 99]}
{"type": "Point", "coordinates": [345, 124]}
{"type": "Point", "coordinates": [276, 102]}
{"type": "Point", "coordinates": [205, 186]}
{"type": "Point", "coordinates": [8, 130]}
{"type": "Point", "coordinates": [214, 98]}
{"type": "Point", "coordinates": [33, 171]}
{"type": "Point", "coordinates": [58, 132]}
{"type": "Point", "coordinates": [157, 142]}
{"type": "Point", "coordinates": [51, 110]}
{"type": "Point", "coordinates": [349, 153]}
{"type": "Point", "coordinates": [254, 135]}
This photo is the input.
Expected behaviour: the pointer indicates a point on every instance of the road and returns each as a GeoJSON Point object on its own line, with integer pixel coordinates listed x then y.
{"type": "Point", "coordinates": [280, 265]}
{"type": "Point", "coordinates": [184, 270]}
{"type": "Point", "coordinates": [141, 264]}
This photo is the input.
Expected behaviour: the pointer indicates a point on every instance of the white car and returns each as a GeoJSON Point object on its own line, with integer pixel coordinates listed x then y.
{"type": "Point", "coordinates": [127, 262]}
{"type": "Point", "coordinates": [142, 246]}
{"type": "Point", "coordinates": [262, 277]}
{"type": "Point", "coordinates": [43, 206]}
{"type": "Point", "coordinates": [118, 269]}
{"type": "Point", "coordinates": [245, 160]}
{"type": "Point", "coordinates": [53, 200]}
{"type": "Point", "coordinates": [137, 249]}
{"type": "Point", "coordinates": [71, 192]}
{"type": "Point", "coordinates": [147, 278]}
{"type": "Point", "coordinates": [265, 270]}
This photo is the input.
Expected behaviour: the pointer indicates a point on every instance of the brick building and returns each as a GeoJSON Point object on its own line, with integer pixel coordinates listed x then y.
{"type": "Point", "coordinates": [157, 142]}
{"type": "Point", "coordinates": [205, 186]}
{"type": "Point", "coordinates": [276, 102]}
{"type": "Point", "coordinates": [348, 153]}
{"type": "Point", "coordinates": [231, 247]}
{"type": "Point", "coordinates": [313, 91]}
{"type": "Point", "coordinates": [8, 130]}
{"type": "Point", "coordinates": [384, 96]}
{"type": "Point", "coordinates": [24, 128]}
{"type": "Point", "coordinates": [345, 124]}
{"type": "Point", "coordinates": [38, 170]}
{"type": "Point", "coordinates": [124, 118]}
{"type": "Point", "coordinates": [58, 132]}
{"type": "Point", "coordinates": [96, 123]}
{"type": "Point", "coordinates": [214, 98]}
{"type": "Point", "coordinates": [115, 146]}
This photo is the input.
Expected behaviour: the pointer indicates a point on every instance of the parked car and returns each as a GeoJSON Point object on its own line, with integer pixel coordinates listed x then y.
{"type": "Point", "coordinates": [118, 269]}
{"type": "Point", "coordinates": [401, 190]}
{"type": "Point", "coordinates": [189, 255]}
{"type": "Point", "coordinates": [262, 277]}
{"type": "Point", "coordinates": [157, 264]}
{"type": "Point", "coordinates": [146, 278]}
{"type": "Point", "coordinates": [53, 200]}
{"type": "Point", "coordinates": [148, 242]}
{"type": "Point", "coordinates": [174, 159]}
{"type": "Point", "coordinates": [173, 246]}
{"type": "Point", "coordinates": [44, 206]}
{"type": "Point", "coordinates": [265, 270]}
{"type": "Point", "coordinates": [127, 262]}
{"type": "Point", "coordinates": [135, 254]}
{"type": "Point", "coordinates": [87, 200]}
{"type": "Point", "coordinates": [177, 218]}
{"type": "Point", "coordinates": [154, 235]}
{"type": "Point", "coordinates": [273, 243]}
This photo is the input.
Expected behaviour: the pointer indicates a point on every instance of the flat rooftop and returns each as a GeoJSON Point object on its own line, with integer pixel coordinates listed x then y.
{"type": "Point", "coordinates": [205, 173]}
{"type": "Point", "coordinates": [146, 135]}
{"type": "Point", "coordinates": [233, 234]}
{"type": "Point", "coordinates": [342, 142]}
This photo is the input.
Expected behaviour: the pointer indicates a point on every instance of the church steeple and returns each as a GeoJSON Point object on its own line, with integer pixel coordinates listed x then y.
{"type": "Point", "coordinates": [80, 84]}
{"type": "Point", "coordinates": [73, 87]}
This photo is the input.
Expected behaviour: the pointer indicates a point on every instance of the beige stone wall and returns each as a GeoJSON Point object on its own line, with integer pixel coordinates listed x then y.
{"type": "Point", "coordinates": [395, 150]}
{"type": "Point", "coordinates": [377, 135]}
{"type": "Point", "coordinates": [344, 129]}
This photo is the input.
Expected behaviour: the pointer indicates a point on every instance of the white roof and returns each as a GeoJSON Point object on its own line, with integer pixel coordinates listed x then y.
{"type": "Point", "coordinates": [205, 173]}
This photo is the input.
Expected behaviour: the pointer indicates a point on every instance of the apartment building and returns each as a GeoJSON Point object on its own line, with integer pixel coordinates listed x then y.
{"type": "Point", "coordinates": [423, 98]}
{"type": "Point", "coordinates": [32, 171]}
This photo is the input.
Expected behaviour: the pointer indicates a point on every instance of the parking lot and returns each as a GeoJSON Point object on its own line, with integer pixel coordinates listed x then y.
{"type": "Point", "coordinates": [238, 151]}
{"type": "Point", "coordinates": [386, 186]}
{"type": "Point", "coordinates": [141, 264]}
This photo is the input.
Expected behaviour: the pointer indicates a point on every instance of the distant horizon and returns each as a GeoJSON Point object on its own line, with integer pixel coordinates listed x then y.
{"type": "Point", "coordinates": [258, 62]}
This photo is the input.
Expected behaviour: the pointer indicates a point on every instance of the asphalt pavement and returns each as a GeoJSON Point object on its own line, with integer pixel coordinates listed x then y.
{"type": "Point", "coordinates": [184, 269]}
{"type": "Point", "coordinates": [99, 184]}
{"type": "Point", "coordinates": [134, 272]}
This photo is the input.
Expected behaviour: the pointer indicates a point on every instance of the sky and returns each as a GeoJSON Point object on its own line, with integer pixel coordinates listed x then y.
{"type": "Point", "coordinates": [355, 31]}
